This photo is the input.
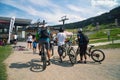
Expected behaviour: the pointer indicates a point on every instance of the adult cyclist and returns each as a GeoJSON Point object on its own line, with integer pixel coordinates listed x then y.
{"type": "Point", "coordinates": [83, 42]}
{"type": "Point", "coordinates": [61, 38]}
{"type": "Point", "coordinates": [44, 34]}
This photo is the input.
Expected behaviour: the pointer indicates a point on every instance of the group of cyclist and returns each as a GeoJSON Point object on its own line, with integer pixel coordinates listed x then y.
{"type": "Point", "coordinates": [43, 36]}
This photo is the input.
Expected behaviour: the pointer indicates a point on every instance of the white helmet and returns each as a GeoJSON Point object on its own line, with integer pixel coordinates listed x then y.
{"type": "Point", "coordinates": [80, 30]}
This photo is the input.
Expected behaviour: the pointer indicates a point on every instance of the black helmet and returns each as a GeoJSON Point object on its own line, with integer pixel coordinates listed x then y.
{"type": "Point", "coordinates": [61, 29]}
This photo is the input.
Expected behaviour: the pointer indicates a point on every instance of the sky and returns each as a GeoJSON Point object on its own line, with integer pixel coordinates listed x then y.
{"type": "Point", "coordinates": [53, 10]}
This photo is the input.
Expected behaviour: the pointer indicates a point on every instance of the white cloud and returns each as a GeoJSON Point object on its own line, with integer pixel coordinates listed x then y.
{"type": "Point", "coordinates": [106, 3]}
{"type": "Point", "coordinates": [74, 8]}
{"type": "Point", "coordinates": [52, 12]}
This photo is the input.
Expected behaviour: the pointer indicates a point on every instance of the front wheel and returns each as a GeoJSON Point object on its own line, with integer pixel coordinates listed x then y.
{"type": "Point", "coordinates": [72, 56]}
{"type": "Point", "coordinates": [97, 55]}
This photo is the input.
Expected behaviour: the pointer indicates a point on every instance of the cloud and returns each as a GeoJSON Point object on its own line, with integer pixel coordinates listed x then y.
{"type": "Point", "coordinates": [105, 3]}
{"type": "Point", "coordinates": [74, 8]}
{"type": "Point", "coordinates": [52, 10]}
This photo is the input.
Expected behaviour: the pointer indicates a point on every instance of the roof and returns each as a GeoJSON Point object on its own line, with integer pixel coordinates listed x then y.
{"type": "Point", "coordinates": [18, 21]}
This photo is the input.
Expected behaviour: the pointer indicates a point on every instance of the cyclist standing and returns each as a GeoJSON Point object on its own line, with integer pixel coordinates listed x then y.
{"type": "Point", "coordinates": [44, 34]}
{"type": "Point", "coordinates": [61, 38]}
{"type": "Point", "coordinates": [82, 41]}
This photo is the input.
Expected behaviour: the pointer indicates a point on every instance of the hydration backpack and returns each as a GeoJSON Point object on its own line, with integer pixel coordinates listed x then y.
{"type": "Point", "coordinates": [44, 33]}
{"type": "Point", "coordinates": [86, 39]}
{"type": "Point", "coordinates": [83, 39]}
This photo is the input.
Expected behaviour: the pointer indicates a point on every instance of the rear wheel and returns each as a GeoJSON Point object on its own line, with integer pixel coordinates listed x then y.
{"type": "Point", "coordinates": [97, 55]}
{"type": "Point", "coordinates": [44, 60]}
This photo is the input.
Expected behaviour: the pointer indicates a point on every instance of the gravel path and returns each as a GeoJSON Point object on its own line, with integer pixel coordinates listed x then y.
{"type": "Point", "coordinates": [19, 67]}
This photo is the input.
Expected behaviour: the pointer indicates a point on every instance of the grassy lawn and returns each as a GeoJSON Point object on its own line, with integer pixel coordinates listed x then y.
{"type": "Point", "coordinates": [4, 53]}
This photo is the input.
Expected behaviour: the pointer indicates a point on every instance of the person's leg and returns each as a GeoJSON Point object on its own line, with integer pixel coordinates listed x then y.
{"type": "Point", "coordinates": [34, 49]}
{"type": "Point", "coordinates": [48, 49]}
{"type": "Point", "coordinates": [84, 50]}
{"type": "Point", "coordinates": [30, 45]}
{"type": "Point", "coordinates": [60, 53]}
{"type": "Point", "coordinates": [39, 48]}
{"type": "Point", "coordinates": [81, 53]}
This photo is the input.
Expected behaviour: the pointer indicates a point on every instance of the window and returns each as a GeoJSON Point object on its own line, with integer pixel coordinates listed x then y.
{"type": "Point", "coordinates": [5, 30]}
{"type": "Point", "coordinates": [0, 30]}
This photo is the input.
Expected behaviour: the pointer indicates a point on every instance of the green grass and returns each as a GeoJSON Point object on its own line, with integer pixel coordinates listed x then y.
{"type": "Point", "coordinates": [114, 45]}
{"type": "Point", "coordinates": [4, 53]}
{"type": "Point", "coordinates": [102, 34]}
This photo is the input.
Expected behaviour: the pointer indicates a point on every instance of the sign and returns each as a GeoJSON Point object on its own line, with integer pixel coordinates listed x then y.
{"type": "Point", "coordinates": [12, 21]}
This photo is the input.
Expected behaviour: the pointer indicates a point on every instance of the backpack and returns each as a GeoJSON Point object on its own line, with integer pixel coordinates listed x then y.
{"type": "Point", "coordinates": [44, 33]}
{"type": "Point", "coordinates": [86, 39]}
{"type": "Point", "coordinates": [83, 39]}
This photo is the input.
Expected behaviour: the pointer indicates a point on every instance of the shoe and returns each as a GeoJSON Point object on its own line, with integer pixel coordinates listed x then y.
{"type": "Point", "coordinates": [85, 62]}
{"type": "Point", "coordinates": [40, 53]}
{"type": "Point", "coordinates": [64, 57]}
{"type": "Point", "coordinates": [60, 60]}
{"type": "Point", "coordinates": [79, 61]}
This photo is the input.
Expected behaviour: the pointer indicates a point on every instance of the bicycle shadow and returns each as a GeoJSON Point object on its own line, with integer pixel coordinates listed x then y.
{"type": "Point", "coordinates": [20, 65]}
{"type": "Point", "coordinates": [34, 65]}
{"type": "Point", "coordinates": [64, 63]}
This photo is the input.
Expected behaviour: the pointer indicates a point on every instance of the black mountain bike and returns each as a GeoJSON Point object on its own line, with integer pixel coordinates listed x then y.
{"type": "Point", "coordinates": [43, 54]}
{"type": "Point", "coordinates": [97, 55]}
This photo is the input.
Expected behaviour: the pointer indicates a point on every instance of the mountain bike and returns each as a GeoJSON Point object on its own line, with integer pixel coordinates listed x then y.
{"type": "Point", "coordinates": [68, 50]}
{"type": "Point", "coordinates": [71, 53]}
{"type": "Point", "coordinates": [43, 54]}
{"type": "Point", "coordinates": [97, 55]}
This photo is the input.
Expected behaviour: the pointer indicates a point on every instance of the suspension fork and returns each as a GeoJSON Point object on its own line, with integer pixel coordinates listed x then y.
{"type": "Point", "coordinates": [90, 48]}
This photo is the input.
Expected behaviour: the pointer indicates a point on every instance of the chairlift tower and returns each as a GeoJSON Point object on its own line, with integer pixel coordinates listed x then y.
{"type": "Point", "coordinates": [63, 19]}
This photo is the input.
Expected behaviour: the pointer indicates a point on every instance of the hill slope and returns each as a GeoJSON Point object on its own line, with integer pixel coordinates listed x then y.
{"type": "Point", "coordinates": [105, 18]}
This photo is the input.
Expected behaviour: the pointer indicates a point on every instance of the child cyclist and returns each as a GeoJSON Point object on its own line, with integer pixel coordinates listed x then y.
{"type": "Point", "coordinates": [34, 44]}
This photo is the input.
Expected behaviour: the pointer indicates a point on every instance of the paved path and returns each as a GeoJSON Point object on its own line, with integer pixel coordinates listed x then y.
{"type": "Point", "coordinates": [104, 43]}
{"type": "Point", "coordinates": [19, 67]}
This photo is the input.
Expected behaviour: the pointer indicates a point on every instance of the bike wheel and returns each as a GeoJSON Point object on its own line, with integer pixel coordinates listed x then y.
{"type": "Point", "coordinates": [97, 55]}
{"type": "Point", "coordinates": [44, 61]}
{"type": "Point", "coordinates": [72, 56]}
{"type": "Point", "coordinates": [76, 53]}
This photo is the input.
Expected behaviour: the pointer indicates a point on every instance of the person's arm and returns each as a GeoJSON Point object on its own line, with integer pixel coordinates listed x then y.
{"type": "Point", "coordinates": [78, 36]}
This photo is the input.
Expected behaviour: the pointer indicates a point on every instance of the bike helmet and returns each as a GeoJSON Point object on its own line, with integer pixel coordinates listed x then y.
{"type": "Point", "coordinates": [61, 29]}
{"type": "Point", "coordinates": [80, 30]}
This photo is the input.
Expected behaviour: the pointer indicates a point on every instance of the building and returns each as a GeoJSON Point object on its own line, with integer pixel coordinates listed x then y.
{"type": "Point", "coordinates": [19, 24]}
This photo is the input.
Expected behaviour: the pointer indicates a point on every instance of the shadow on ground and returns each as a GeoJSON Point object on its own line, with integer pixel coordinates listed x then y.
{"type": "Point", "coordinates": [35, 65]}
{"type": "Point", "coordinates": [64, 63]}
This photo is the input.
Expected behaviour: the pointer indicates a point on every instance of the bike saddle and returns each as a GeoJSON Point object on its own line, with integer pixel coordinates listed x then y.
{"type": "Point", "coordinates": [91, 45]}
